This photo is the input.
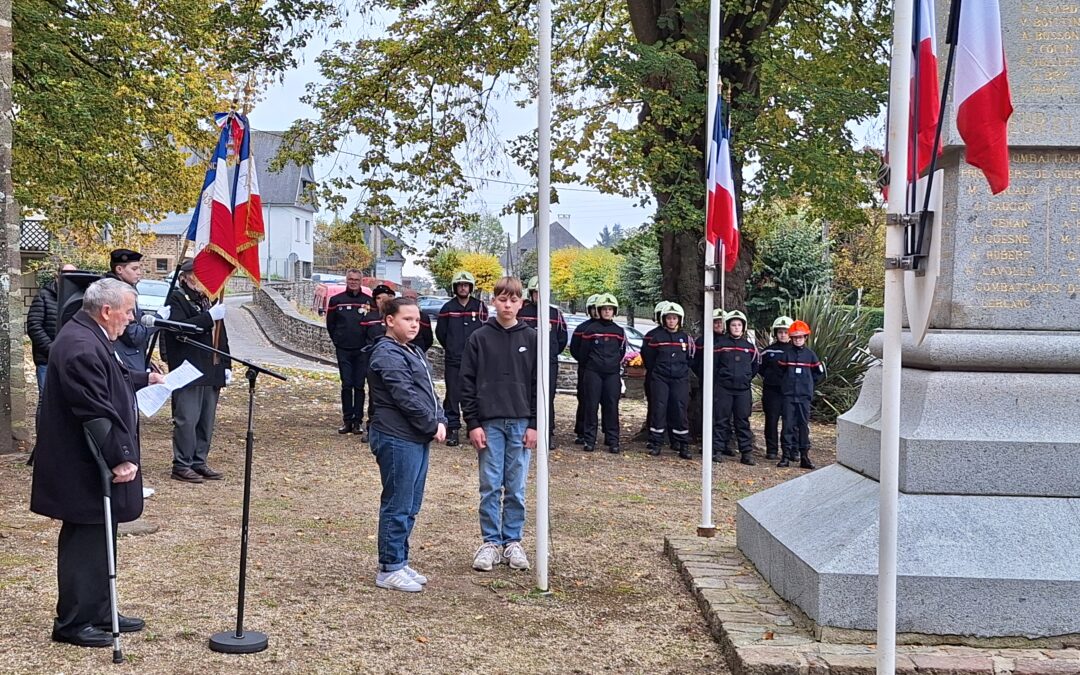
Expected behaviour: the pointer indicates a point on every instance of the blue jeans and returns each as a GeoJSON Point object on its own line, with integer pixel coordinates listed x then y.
{"type": "Point", "coordinates": [504, 467]}
{"type": "Point", "coordinates": [403, 466]}
{"type": "Point", "coordinates": [40, 372]}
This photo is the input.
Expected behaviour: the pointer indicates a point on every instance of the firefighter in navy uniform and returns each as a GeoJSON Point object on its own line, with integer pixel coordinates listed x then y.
{"type": "Point", "coordinates": [772, 397]}
{"type": "Point", "coordinates": [558, 338]}
{"type": "Point", "coordinates": [579, 413]}
{"type": "Point", "coordinates": [373, 328]}
{"type": "Point", "coordinates": [458, 319]}
{"type": "Point", "coordinates": [599, 352]}
{"type": "Point", "coordinates": [802, 370]}
{"type": "Point", "coordinates": [345, 313]}
{"type": "Point", "coordinates": [735, 363]}
{"type": "Point", "coordinates": [668, 353]}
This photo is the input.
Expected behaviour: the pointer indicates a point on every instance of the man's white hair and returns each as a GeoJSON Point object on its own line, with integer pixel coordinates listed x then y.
{"type": "Point", "coordinates": [105, 292]}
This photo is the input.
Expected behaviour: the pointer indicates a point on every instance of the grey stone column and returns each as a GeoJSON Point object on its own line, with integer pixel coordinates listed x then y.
{"type": "Point", "coordinates": [10, 340]}
{"type": "Point", "coordinates": [989, 530]}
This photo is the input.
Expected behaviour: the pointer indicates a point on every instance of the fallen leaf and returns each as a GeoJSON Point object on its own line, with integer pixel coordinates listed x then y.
{"type": "Point", "coordinates": [422, 640]}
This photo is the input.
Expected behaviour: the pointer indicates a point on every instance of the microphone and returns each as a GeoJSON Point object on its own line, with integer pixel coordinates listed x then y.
{"type": "Point", "coordinates": [151, 321]}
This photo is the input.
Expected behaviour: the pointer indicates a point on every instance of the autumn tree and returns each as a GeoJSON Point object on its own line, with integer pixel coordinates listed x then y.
{"type": "Point", "coordinates": [442, 264]}
{"type": "Point", "coordinates": [339, 246]}
{"type": "Point", "coordinates": [798, 73]}
{"type": "Point", "coordinates": [482, 234]}
{"type": "Point", "coordinates": [484, 266]}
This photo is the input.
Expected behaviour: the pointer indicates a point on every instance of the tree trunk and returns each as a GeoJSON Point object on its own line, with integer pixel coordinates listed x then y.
{"type": "Point", "coordinates": [10, 312]}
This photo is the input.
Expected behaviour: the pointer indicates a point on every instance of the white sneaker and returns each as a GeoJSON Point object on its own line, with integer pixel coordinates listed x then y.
{"type": "Point", "coordinates": [398, 580]}
{"type": "Point", "coordinates": [414, 575]}
{"type": "Point", "coordinates": [514, 556]}
{"type": "Point", "coordinates": [487, 556]}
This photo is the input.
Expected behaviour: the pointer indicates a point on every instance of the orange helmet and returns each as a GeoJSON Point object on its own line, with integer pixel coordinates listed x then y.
{"type": "Point", "coordinates": [798, 328]}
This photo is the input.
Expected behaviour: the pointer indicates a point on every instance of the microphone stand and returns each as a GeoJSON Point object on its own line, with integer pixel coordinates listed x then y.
{"type": "Point", "coordinates": [239, 641]}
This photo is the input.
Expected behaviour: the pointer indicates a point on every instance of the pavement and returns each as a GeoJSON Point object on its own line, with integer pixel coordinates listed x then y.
{"type": "Point", "coordinates": [248, 342]}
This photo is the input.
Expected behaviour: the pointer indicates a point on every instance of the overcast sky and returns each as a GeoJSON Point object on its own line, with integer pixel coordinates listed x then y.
{"type": "Point", "coordinates": [586, 210]}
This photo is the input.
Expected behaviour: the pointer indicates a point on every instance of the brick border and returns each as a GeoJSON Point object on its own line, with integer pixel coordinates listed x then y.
{"type": "Point", "coordinates": [759, 633]}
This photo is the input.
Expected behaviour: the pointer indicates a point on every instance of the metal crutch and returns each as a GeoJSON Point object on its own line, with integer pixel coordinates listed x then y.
{"type": "Point", "coordinates": [97, 430]}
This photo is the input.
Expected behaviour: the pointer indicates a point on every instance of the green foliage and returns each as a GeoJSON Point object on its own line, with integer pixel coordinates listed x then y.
{"type": "Point", "coordinates": [443, 264]}
{"type": "Point", "coordinates": [577, 273]}
{"type": "Point", "coordinates": [640, 276]}
{"type": "Point", "coordinates": [857, 255]}
{"type": "Point", "coordinates": [110, 95]}
{"type": "Point", "coordinates": [527, 265]}
{"type": "Point", "coordinates": [839, 338]}
{"type": "Point", "coordinates": [485, 267]}
{"type": "Point", "coordinates": [482, 234]}
{"type": "Point", "coordinates": [791, 261]}
{"type": "Point", "coordinates": [610, 237]}
{"type": "Point", "coordinates": [339, 245]}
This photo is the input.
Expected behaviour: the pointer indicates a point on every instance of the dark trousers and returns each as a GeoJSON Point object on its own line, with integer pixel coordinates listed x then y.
{"type": "Point", "coordinates": [352, 366]}
{"type": "Point", "coordinates": [667, 409]}
{"type": "Point", "coordinates": [772, 403]}
{"type": "Point", "coordinates": [193, 409]}
{"type": "Point", "coordinates": [452, 402]}
{"type": "Point", "coordinates": [579, 414]}
{"type": "Point", "coordinates": [82, 577]}
{"type": "Point", "coordinates": [796, 438]}
{"type": "Point", "coordinates": [553, 374]}
{"type": "Point", "coordinates": [732, 408]}
{"type": "Point", "coordinates": [601, 390]}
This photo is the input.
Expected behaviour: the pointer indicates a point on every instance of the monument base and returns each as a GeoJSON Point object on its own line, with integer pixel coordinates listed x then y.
{"type": "Point", "coordinates": [985, 566]}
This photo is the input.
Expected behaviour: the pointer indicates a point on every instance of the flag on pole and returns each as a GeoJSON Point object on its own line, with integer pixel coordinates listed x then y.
{"type": "Point", "coordinates": [925, 90]}
{"type": "Point", "coordinates": [721, 221]}
{"type": "Point", "coordinates": [982, 91]}
{"type": "Point", "coordinates": [247, 210]}
{"type": "Point", "coordinates": [211, 228]}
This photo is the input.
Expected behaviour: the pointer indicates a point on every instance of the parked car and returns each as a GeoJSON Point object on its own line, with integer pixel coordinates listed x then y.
{"type": "Point", "coordinates": [152, 294]}
{"type": "Point", "coordinates": [430, 306]}
{"type": "Point", "coordinates": [325, 278]}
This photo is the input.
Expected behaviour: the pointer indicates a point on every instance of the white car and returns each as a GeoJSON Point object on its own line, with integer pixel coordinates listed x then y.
{"type": "Point", "coordinates": [152, 294]}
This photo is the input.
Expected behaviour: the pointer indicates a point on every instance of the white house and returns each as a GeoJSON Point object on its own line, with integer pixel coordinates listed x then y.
{"type": "Point", "coordinates": [286, 252]}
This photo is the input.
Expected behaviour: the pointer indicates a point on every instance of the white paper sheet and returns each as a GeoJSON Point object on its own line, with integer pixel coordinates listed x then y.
{"type": "Point", "coordinates": [151, 398]}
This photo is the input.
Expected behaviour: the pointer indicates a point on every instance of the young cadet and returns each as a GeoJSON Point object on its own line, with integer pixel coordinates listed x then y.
{"type": "Point", "coordinates": [345, 314]}
{"type": "Point", "coordinates": [658, 319]}
{"type": "Point", "coordinates": [668, 353]}
{"type": "Point", "coordinates": [699, 369]}
{"type": "Point", "coordinates": [458, 319]}
{"type": "Point", "coordinates": [802, 370]}
{"type": "Point", "coordinates": [498, 400]}
{"type": "Point", "coordinates": [736, 364]}
{"type": "Point", "coordinates": [772, 398]}
{"type": "Point", "coordinates": [558, 339]}
{"type": "Point", "coordinates": [579, 414]}
{"type": "Point", "coordinates": [373, 328]}
{"type": "Point", "coordinates": [599, 354]}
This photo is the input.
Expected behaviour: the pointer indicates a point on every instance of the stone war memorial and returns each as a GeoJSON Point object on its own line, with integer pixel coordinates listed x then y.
{"type": "Point", "coordinates": [989, 529]}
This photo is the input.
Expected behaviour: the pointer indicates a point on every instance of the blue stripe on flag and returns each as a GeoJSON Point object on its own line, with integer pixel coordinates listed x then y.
{"type": "Point", "coordinates": [220, 152]}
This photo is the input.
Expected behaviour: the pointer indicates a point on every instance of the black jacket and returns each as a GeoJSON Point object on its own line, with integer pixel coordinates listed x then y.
{"type": "Point", "coordinates": [558, 337]}
{"type": "Point", "coordinates": [772, 375]}
{"type": "Point", "coordinates": [599, 345]}
{"type": "Point", "coordinates": [668, 354]}
{"type": "Point", "coordinates": [456, 323]}
{"type": "Point", "coordinates": [132, 343]}
{"type": "Point", "coordinates": [735, 362]}
{"type": "Point", "coordinates": [801, 370]}
{"type": "Point", "coordinates": [375, 328]}
{"type": "Point", "coordinates": [41, 323]}
{"type": "Point", "coordinates": [345, 316]}
{"type": "Point", "coordinates": [86, 382]}
{"type": "Point", "coordinates": [402, 392]}
{"type": "Point", "coordinates": [498, 373]}
{"type": "Point", "coordinates": [190, 306]}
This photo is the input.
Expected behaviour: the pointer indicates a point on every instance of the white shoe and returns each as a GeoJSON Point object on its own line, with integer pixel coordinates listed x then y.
{"type": "Point", "coordinates": [514, 556]}
{"type": "Point", "coordinates": [398, 580]}
{"type": "Point", "coordinates": [487, 556]}
{"type": "Point", "coordinates": [147, 492]}
{"type": "Point", "coordinates": [414, 575]}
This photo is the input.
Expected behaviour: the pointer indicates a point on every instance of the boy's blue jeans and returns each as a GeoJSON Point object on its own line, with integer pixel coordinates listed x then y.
{"type": "Point", "coordinates": [504, 467]}
{"type": "Point", "coordinates": [403, 466]}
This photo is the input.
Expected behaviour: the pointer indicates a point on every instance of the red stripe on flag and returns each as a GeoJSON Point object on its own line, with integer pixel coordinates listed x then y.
{"type": "Point", "coordinates": [929, 106]}
{"type": "Point", "coordinates": [982, 121]}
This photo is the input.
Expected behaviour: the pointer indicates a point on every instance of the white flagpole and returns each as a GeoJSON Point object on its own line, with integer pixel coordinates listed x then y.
{"type": "Point", "coordinates": [889, 497]}
{"type": "Point", "coordinates": [707, 528]}
{"type": "Point", "coordinates": [543, 325]}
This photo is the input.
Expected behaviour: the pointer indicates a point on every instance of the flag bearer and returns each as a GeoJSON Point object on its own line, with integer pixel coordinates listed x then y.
{"type": "Point", "coordinates": [772, 398]}
{"type": "Point", "coordinates": [802, 370]}
{"type": "Point", "coordinates": [668, 353]}
{"type": "Point", "coordinates": [599, 353]}
{"type": "Point", "coordinates": [458, 319]}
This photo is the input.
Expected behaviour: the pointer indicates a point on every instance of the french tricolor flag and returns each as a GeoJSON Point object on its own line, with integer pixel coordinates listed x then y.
{"type": "Point", "coordinates": [924, 90]}
{"type": "Point", "coordinates": [211, 227]}
{"type": "Point", "coordinates": [721, 221]}
{"type": "Point", "coordinates": [247, 214]}
{"type": "Point", "coordinates": [984, 102]}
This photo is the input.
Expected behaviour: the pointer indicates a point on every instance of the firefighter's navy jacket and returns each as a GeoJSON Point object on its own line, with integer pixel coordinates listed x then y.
{"type": "Point", "coordinates": [801, 371]}
{"type": "Point", "coordinates": [600, 347]}
{"type": "Point", "coordinates": [668, 354]}
{"type": "Point", "coordinates": [456, 323]}
{"type": "Point", "coordinates": [345, 316]}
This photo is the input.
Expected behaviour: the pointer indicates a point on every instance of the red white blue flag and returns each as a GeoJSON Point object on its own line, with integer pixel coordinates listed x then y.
{"type": "Point", "coordinates": [925, 94]}
{"type": "Point", "coordinates": [211, 228]}
{"type": "Point", "coordinates": [721, 221]}
{"type": "Point", "coordinates": [249, 228]}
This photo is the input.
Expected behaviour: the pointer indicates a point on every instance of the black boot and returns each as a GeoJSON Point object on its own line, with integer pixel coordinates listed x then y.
{"type": "Point", "coordinates": [654, 449]}
{"type": "Point", "coordinates": [785, 460]}
{"type": "Point", "coordinates": [589, 448]}
{"type": "Point", "coordinates": [579, 441]}
{"type": "Point", "coordinates": [346, 428]}
{"type": "Point", "coordinates": [717, 457]}
{"type": "Point", "coordinates": [728, 452]}
{"type": "Point", "coordinates": [684, 450]}
{"type": "Point", "coordinates": [770, 454]}
{"type": "Point", "coordinates": [452, 439]}
{"type": "Point", "coordinates": [747, 458]}
{"type": "Point", "coordinates": [804, 460]}
{"type": "Point", "coordinates": [614, 449]}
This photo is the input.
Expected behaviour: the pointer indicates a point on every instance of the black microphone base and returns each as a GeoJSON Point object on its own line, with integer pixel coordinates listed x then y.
{"type": "Point", "coordinates": [250, 642]}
